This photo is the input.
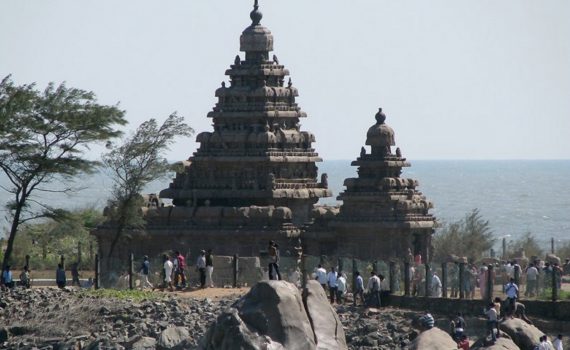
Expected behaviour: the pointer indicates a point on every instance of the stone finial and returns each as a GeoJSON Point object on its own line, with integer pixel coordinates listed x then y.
{"type": "Point", "coordinates": [325, 180]}
{"type": "Point", "coordinates": [255, 15]}
{"type": "Point", "coordinates": [290, 83]}
{"type": "Point", "coordinates": [380, 117]}
{"type": "Point", "coordinates": [237, 60]}
{"type": "Point", "coordinates": [223, 84]}
{"type": "Point", "coordinates": [275, 59]}
{"type": "Point", "coordinates": [362, 151]}
{"type": "Point", "coordinates": [398, 152]}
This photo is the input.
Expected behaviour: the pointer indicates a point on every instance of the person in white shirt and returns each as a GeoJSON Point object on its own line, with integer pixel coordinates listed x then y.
{"type": "Point", "coordinates": [374, 289]}
{"type": "Point", "coordinates": [322, 276]}
{"type": "Point", "coordinates": [436, 286]}
{"type": "Point", "coordinates": [332, 277]}
{"type": "Point", "coordinates": [341, 292]}
{"type": "Point", "coordinates": [545, 344]}
{"type": "Point", "coordinates": [557, 343]}
{"type": "Point", "coordinates": [492, 321]}
{"type": "Point", "coordinates": [168, 268]}
{"type": "Point", "coordinates": [295, 277]}
{"type": "Point", "coordinates": [531, 280]}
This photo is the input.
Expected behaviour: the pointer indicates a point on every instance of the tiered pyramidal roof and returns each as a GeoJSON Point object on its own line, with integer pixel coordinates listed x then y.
{"type": "Point", "coordinates": [379, 197]}
{"type": "Point", "coordinates": [257, 153]}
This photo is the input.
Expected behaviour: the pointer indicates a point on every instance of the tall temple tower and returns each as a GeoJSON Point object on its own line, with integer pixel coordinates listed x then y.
{"type": "Point", "coordinates": [383, 214]}
{"type": "Point", "coordinates": [257, 154]}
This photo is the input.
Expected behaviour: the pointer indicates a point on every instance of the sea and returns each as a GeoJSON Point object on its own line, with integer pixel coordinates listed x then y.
{"type": "Point", "coordinates": [515, 196]}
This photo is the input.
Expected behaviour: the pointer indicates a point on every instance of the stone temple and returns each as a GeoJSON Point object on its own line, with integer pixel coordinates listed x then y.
{"type": "Point", "coordinates": [254, 178]}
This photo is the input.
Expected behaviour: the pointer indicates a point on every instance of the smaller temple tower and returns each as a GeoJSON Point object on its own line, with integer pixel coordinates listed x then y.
{"type": "Point", "coordinates": [383, 215]}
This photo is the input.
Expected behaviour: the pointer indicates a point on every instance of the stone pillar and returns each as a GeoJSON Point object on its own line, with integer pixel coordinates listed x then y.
{"type": "Point", "coordinates": [27, 261]}
{"type": "Point", "coordinates": [235, 271]}
{"type": "Point", "coordinates": [444, 280]}
{"type": "Point", "coordinates": [428, 279]}
{"type": "Point", "coordinates": [62, 261]}
{"type": "Point", "coordinates": [407, 279]}
{"type": "Point", "coordinates": [554, 285]}
{"type": "Point", "coordinates": [354, 269]}
{"type": "Point", "coordinates": [97, 280]}
{"type": "Point", "coordinates": [461, 280]}
{"type": "Point", "coordinates": [392, 276]}
{"type": "Point", "coordinates": [131, 268]}
{"type": "Point", "coordinates": [490, 283]}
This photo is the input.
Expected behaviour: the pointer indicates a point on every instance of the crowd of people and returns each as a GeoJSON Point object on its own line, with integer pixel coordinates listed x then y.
{"type": "Point", "coordinates": [536, 277]}
{"type": "Point", "coordinates": [175, 274]}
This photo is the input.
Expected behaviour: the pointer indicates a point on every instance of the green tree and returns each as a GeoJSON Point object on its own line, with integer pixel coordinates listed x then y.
{"type": "Point", "coordinates": [46, 241]}
{"type": "Point", "coordinates": [528, 244]}
{"type": "Point", "coordinates": [136, 162]}
{"type": "Point", "coordinates": [43, 137]}
{"type": "Point", "coordinates": [470, 237]}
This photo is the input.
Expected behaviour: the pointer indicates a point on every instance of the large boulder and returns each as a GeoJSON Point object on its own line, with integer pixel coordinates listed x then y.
{"type": "Point", "coordinates": [326, 324]}
{"type": "Point", "coordinates": [273, 316]}
{"type": "Point", "coordinates": [522, 333]}
{"type": "Point", "coordinates": [433, 339]}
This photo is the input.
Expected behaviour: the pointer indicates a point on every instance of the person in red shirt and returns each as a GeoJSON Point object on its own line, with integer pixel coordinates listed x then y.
{"type": "Point", "coordinates": [181, 267]}
{"type": "Point", "coordinates": [463, 343]}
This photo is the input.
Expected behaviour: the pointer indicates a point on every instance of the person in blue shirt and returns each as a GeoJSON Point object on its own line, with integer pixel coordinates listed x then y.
{"type": "Point", "coordinates": [7, 277]}
{"type": "Point", "coordinates": [145, 268]}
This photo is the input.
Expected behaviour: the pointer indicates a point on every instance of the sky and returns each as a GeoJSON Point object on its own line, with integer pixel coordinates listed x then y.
{"type": "Point", "coordinates": [457, 79]}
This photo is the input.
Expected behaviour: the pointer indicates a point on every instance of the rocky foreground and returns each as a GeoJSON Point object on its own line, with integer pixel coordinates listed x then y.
{"type": "Point", "coordinates": [70, 319]}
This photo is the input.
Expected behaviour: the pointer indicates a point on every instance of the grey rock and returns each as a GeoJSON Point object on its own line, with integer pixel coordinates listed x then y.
{"type": "Point", "coordinates": [522, 333]}
{"type": "Point", "coordinates": [271, 315]}
{"type": "Point", "coordinates": [434, 339]}
{"type": "Point", "coordinates": [144, 343]}
{"type": "Point", "coordinates": [326, 324]}
{"type": "Point", "coordinates": [173, 338]}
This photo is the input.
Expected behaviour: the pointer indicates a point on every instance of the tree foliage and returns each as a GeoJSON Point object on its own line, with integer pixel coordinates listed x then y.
{"type": "Point", "coordinates": [46, 241]}
{"type": "Point", "coordinates": [470, 237]}
{"type": "Point", "coordinates": [136, 162]}
{"type": "Point", "coordinates": [43, 137]}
